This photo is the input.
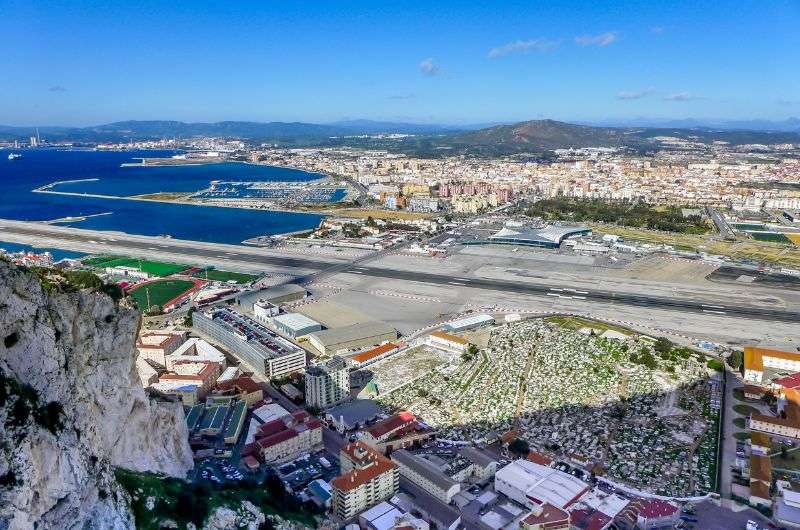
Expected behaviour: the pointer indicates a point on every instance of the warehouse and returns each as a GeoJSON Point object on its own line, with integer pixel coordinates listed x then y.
{"type": "Point", "coordinates": [295, 325]}
{"type": "Point", "coordinates": [475, 321]}
{"type": "Point", "coordinates": [361, 335]}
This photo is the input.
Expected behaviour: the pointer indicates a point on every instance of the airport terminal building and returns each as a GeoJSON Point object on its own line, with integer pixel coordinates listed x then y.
{"type": "Point", "coordinates": [548, 237]}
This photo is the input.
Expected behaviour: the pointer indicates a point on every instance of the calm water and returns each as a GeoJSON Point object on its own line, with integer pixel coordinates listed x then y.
{"type": "Point", "coordinates": [223, 225]}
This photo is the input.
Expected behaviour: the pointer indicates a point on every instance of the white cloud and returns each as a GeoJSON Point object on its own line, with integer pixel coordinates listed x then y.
{"type": "Point", "coordinates": [683, 96]}
{"type": "Point", "coordinates": [603, 39]}
{"type": "Point", "coordinates": [429, 68]}
{"type": "Point", "coordinates": [402, 96]}
{"type": "Point", "coordinates": [635, 94]}
{"type": "Point", "coordinates": [657, 30]}
{"type": "Point", "coordinates": [540, 45]}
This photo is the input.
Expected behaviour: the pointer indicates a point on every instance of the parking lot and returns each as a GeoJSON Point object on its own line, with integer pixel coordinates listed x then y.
{"type": "Point", "coordinates": [300, 472]}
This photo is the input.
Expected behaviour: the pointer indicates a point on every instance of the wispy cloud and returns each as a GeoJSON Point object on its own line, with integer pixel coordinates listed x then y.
{"type": "Point", "coordinates": [683, 96]}
{"type": "Point", "coordinates": [429, 67]}
{"type": "Point", "coordinates": [57, 88]}
{"type": "Point", "coordinates": [788, 102]}
{"type": "Point", "coordinates": [402, 96]}
{"type": "Point", "coordinates": [635, 94]}
{"type": "Point", "coordinates": [539, 44]}
{"type": "Point", "coordinates": [603, 39]}
{"type": "Point", "coordinates": [657, 30]}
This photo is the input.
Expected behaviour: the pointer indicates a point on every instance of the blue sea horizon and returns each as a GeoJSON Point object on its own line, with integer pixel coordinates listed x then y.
{"type": "Point", "coordinates": [39, 167]}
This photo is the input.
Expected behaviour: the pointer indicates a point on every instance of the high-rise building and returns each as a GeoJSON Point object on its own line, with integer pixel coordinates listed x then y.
{"type": "Point", "coordinates": [367, 478]}
{"type": "Point", "coordinates": [327, 384]}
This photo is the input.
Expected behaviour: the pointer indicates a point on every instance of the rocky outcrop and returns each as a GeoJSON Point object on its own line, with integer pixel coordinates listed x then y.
{"type": "Point", "coordinates": [75, 350]}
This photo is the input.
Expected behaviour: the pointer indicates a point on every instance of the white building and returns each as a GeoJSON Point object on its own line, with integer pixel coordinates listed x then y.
{"type": "Point", "coordinates": [533, 484]}
{"type": "Point", "coordinates": [327, 384]}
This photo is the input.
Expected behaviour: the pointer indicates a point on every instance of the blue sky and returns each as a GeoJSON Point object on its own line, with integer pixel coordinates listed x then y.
{"type": "Point", "coordinates": [84, 63]}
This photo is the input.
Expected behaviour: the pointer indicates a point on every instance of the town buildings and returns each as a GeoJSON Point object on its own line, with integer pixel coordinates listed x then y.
{"type": "Point", "coordinates": [425, 475]}
{"type": "Point", "coordinates": [251, 342]}
{"type": "Point", "coordinates": [327, 383]}
{"type": "Point", "coordinates": [367, 478]}
{"type": "Point", "coordinates": [285, 438]}
{"type": "Point", "coordinates": [155, 345]}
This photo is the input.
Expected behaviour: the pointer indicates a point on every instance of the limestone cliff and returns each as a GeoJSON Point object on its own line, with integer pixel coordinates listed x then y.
{"type": "Point", "coordinates": [72, 408]}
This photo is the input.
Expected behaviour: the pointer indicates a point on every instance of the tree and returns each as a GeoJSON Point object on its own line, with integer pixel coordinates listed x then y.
{"type": "Point", "coordinates": [663, 345]}
{"type": "Point", "coordinates": [519, 447]}
{"type": "Point", "coordinates": [735, 360]}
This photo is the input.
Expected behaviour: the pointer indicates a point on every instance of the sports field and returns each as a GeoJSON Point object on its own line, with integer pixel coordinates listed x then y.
{"type": "Point", "coordinates": [225, 276]}
{"type": "Point", "coordinates": [160, 291]}
{"type": "Point", "coordinates": [156, 268]}
{"type": "Point", "coordinates": [773, 237]}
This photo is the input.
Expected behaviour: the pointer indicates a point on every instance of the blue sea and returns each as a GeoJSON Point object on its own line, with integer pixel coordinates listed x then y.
{"type": "Point", "coordinates": [38, 167]}
{"type": "Point", "coordinates": [58, 254]}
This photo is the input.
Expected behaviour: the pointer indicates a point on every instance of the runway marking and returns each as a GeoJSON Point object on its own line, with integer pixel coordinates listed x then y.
{"type": "Point", "coordinates": [712, 311]}
{"type": "Point", "coordinates": [355, 272]}
{"type": "Point", "coordinates": [579, 297]}
{"type": "Point", "coordinates": [456, 283]}
{"type": "Point", "coordinates": [463, 279]}
{"type": "Point", "coordinates": [556, 290]}
{"type": "Point", "coordinates": [713, 306]}
{"type": "Point", "coordinates": [554, 294]}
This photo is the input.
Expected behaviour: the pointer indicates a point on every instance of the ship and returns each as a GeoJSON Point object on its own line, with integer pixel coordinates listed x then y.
{"type": "Point", "coordinates": [14, 156]}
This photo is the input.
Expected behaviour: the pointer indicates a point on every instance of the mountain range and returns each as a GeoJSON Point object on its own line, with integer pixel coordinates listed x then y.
{"type": "Point", "coordinates": [527, 136]}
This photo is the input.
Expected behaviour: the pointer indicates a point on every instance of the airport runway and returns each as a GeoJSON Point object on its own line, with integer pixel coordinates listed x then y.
{"type": "Point", "coordinates": [75, 239]}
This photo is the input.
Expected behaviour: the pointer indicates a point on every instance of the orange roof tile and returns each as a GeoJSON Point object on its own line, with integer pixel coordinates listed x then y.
{"type": "Point", "coordinates": [754, 357]}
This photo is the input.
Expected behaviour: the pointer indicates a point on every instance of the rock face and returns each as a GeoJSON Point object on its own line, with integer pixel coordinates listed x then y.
{"type": "Point", "coordinates": [77, 350]}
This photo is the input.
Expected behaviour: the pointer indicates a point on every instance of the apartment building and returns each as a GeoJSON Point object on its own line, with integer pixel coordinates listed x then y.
{"type": "Point", "coordinates": [327, 383]}
{"type": "Point", "coordinates": [367, 478]}
{"type": "Point", "coordinates": [426, 475]}
{"type": "Point", "coordinates": [285, 438]}
{"type": "Point", "coordinates": [155, 345]}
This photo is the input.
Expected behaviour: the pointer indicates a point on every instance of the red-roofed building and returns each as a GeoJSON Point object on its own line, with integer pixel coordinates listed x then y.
{"type": "Point", "coordinates": [286, 438]}
{"type": "Point", "coordinates": [546, 517]}
{"type": "Point", "coordinates": [654, 513]}
{"type": "Point", "coordinates": [243, 388]}
{"type": "Point", "coordinates": [583, 519]}
{"type": "Point", "coordinates": [367, 478]}
{"type": "Point", "coordinates": [539, 458]}
{"type": "Point", "coordinates": [155, 345]}
{"type": "Point", "coordinates": [373, 355]}
{"type": "Point", "coordinates": [398, 431]}
{"type": "Point", "coordinates": [191, 382]}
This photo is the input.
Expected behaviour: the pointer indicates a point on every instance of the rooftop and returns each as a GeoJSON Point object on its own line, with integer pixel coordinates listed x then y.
{"type": "Point", "coordinates": [295, 321]}
{"type": "Point", "coordinates": [754, 357]}
{"type": "Point", "coordinates": [353, 332]}
{"type": "Point", "coordinates": [422, 467]}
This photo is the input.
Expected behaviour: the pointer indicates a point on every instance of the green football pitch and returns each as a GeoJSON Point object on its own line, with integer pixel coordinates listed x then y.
{"type": "Point", "coordinates": [160, 292]}
{"type": "Point", "coordinates": [156, 268]}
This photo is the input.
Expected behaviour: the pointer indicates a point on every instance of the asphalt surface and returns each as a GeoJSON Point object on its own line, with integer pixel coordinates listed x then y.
{"type": "Point", "coordinates": [68, 239]}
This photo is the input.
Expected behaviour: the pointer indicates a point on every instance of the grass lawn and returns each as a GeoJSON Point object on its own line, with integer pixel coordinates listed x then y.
{"type": "Point", "coordinates": [156, 268]}
{"type": "Point", "coordinates": [741, 435]}
{"type": "Point", "coordinates": [577, 323]}
{"type": "Point", "coordinates": [740, 422]}
{"type": "Point", "coordinates": [161, 292]}
{"type": "Point", "coordinates": [225, 276]}
{"type": "Point", "coordinates": [745, 410]}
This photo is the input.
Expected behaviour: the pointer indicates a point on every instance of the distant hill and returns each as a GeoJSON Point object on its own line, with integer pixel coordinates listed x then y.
{"type": "Point", "coordinates": [536, 136]}
{"type": "Point", "coordinates": [544, 134]}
